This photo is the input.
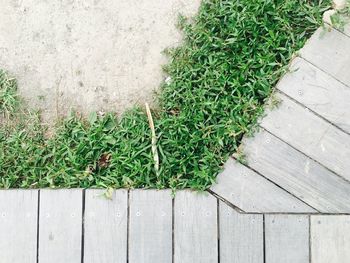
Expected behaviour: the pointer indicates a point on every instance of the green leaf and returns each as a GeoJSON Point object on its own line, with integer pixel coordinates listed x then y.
{"type": "Point", "coordinates": [92, 117]}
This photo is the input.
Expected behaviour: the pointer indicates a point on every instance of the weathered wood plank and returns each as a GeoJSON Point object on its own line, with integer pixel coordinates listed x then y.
{"type": "Point", "coordinates": [297, 173]}
{"type": "Point", "coordinates": [60, 230]}
{"type": "Point", "coordinates": [195, 228]}
{"type": "Point", "coordinates": [18, 225]}
{"type": "Point", "coordinates": [105, 238]}
{"type": "Point", "coordinates": [150, 230]}
{"type": "Point", "coordinates": [251, 192]}
{"type": "Point", "coordinates": [330, 52]}
{"type": "Point", "coordinates": [310, 134]}
{"type": "Point", "coordinates": [330, 239]}
{"type": "Point", "coordinates": [347, 29]}
{"type": "Point", "coordinates": [241, 236]}
{"type": "Point", "coordinates": [318, 91]}
{"type": "Point", "coordinates": [287, 239]}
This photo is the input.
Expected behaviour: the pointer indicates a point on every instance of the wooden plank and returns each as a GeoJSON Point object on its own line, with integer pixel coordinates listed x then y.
{"type": "Point", "coordinates": [287, 238]}
{"type": "Point", "coordinates": [241, 236]}
{"type": "Point", "coordinates": [330, 239]}
{"type": "Point", "coordinates": [347, 29]}
{"type": "Point", "coordinates": [318, 91]}
{"type": "Point", "coordinates": [251, 192]}
{"type": "Point", "coordinates": [310, 134]}
{"type": "Point", "coordinates": [297, 173]}
{"type": "Point", "coordinates": [195, 228]}
{"type": "Point", "coordinates": [329, 51]}
{"type": "Point", "coordinates": [18, 225]}
{"type": "Point", "coordinates": [60, 230]}
{"type": "Point", "coordinates": [105, 235]}
{"type": "Point", "coordinates": [150, 236]}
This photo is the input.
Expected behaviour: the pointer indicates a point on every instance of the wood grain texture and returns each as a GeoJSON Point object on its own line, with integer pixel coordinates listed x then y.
{"type": "Point", "coordinates": [329, 51]}
{"type": "Point", "coordinates": [330, 239]}
{"type": "Point", "coordinates": [18, 225]}
{"type": "Point", "coordinates": [318, 91]}
{"type": "Point", "coordinates": [60, 231]}
{"type": "Point", "coordinates": [105, 235]}
{"type": "Point", "coordinates": [251, 192]}
{"type": "Point", "coordinates": [150, 226]}
{"type": "Point", "coordinates": [241, 236]}
{"type": "Point", "coordinates": [287, 238]}
{"type": "Point", "coordinates": [310, 134]}
{"type": "Point", "coordinates": [195, 228]}
{"type": "Point", "coordinates": [298, 174]}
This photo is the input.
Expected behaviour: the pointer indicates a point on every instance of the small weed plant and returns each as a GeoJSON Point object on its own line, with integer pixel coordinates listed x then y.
{"type": "Point", "coordinates": [341, 17]}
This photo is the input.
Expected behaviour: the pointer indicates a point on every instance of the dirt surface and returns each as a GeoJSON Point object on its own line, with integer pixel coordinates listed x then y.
{"type": "Point", "coordinates": [88, 54]}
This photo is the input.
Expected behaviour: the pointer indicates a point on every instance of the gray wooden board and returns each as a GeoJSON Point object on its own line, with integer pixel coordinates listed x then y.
{"type": "Point", "coordinates": [318, 91]}
{"type": "Point", "coordinates": [287, 239]}
{"type": "Point", "coordinates": [105, 227]}
{"type": "Point", "coordinates": [241, 236]}
{"type": "Point", "coordinates": [330, 239]}
{"type": "Point", "coordinates": [347, 29]}
{"type": "Point", "coordinates": [195, 228]}
{"type": "Point", "coordinates": [329, 51]}
{"type": "Point", "coordinates": [297, 173]}
{"type": "Point", "coordinates": [251, 192]}
{"type": "Point", "coordinates": [310, 134]}
{"type": "Point", "coordinates": [18, 225]}
{"type": "Point", "coordinates": [150, 229]}
{"type": "Point", "coordinates": [60, 230]}
{"type": "Point", "coordinates": [344, 29]}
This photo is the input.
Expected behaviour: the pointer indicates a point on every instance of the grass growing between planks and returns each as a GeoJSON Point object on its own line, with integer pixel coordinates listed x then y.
{"type": "Point", "coordinates": [233, 54]}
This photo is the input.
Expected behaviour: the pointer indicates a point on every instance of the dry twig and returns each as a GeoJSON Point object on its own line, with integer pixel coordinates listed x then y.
{"type": "Point", "coordinates": [154, 140]}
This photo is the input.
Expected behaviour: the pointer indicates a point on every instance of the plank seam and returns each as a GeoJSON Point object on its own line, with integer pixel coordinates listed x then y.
{"type": "Point", "coordinates": [279, 187]}
{"type": "Point", "coordinates": [82, 226]}
{"type": "Point", "coordinates": [128, 227]}
{"type": "Point", "coordinates": [264, 239]}
{"type": "Point", "coordinates": [324, 71]}
{"type": "Point", "coordinates": [296, 213]}
{"type": "Point", "coordinates": [330, 170]}
{"type": "Point", "coordinates": [336, 29]}
{"type": "Point", "coordinates": [173, 230]}
{"type": "Point", "coordinates": [218, 226]}
{"type": "Point", "coordinates": [310, 240]}
{"type": "Point", "coordinates": [38, 228]}
{"type": "Point", "coordinates": [217, 196]}
{"type": "Point", "coordinates": [312, 111]}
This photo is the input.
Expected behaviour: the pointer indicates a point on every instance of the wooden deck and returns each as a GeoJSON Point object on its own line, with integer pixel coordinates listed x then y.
{"type": "Point", "coordinates": [299, 161]}
{"type": "Point", "coordinates": [290, 203]}
{"type": "Point", "coordinates": [149, 226]}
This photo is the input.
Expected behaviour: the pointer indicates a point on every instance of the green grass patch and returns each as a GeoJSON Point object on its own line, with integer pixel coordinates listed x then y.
{"type": "Point", "coordinates": [233, 54]}
{"type": "Point", "coordinates": [8, 95]}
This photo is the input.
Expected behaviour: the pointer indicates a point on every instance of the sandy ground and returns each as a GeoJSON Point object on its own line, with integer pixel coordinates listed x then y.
{"type": "Point", "coordinates": [88, 54]}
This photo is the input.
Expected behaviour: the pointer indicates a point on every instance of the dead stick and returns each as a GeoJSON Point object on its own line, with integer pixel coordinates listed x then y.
{"type": "Point", "coordinates": [154, 140]}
